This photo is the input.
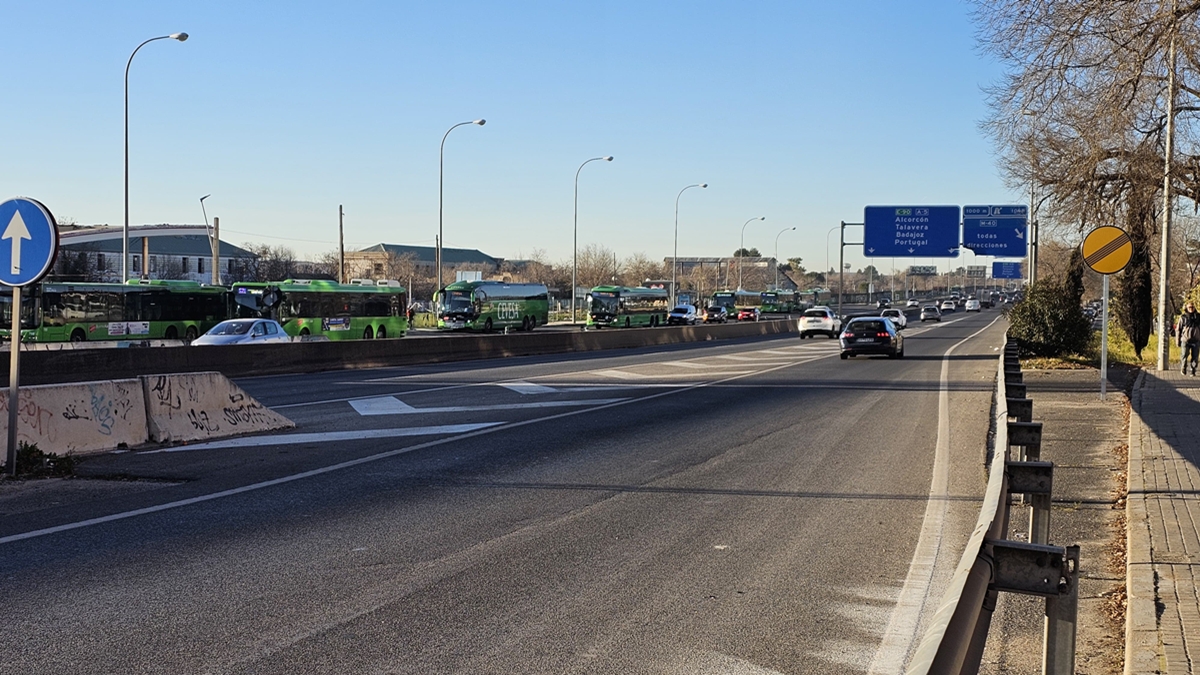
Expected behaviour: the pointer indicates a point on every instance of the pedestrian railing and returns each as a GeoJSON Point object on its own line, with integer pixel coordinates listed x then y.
{"type": "Point", "coordinates": [954, 642]}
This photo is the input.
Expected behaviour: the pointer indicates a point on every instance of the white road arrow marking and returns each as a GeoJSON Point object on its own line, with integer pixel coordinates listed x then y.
{"type": "Point", "coordinates": [16, 231]}
{"type": "Point", "coordinates": [527, 388]}
{"type": "Point", "coordinates": [390, 405]}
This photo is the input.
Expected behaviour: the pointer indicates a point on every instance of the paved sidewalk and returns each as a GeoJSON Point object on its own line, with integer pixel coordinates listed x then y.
{"type": "Point", "coordinates": [1162, 627]}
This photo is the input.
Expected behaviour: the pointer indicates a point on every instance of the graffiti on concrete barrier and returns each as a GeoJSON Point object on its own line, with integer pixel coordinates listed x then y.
{"type": "Point", "coordinates": [201, 422]}
{"type": "Point", "coordinates": [239, 412]}
{"type": "Point", "coordinates": [164, 392]}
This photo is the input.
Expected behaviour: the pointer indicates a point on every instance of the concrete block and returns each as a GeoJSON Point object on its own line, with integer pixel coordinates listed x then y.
{"type": "Point", "coordinates": [199, 406]}
{"type": "Point", "coordinates": [80, 418]}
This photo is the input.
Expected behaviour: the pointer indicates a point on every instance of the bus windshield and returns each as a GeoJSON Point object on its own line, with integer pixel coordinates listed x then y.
{"type": "Point", "coordinates": [27, 314]}
{"type": "Point", "coordinates": [604, 303]}
{"type": "Point", "coordinates": [456, 302]}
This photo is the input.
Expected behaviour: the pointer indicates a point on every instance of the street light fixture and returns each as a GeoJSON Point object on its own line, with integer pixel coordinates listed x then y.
{"type": "Point", "coordinates": [441, 167]}
{"type": "Point", "coordinates": [575, 235]}
{"type": "Point", "coordinates": [675, 255]}
{"type": "Point", "coordinates": [125, 232]}
{"type": "Point", "coordinates": [786, 229]}
{"type": "Point", "coordinates": [742, 249]}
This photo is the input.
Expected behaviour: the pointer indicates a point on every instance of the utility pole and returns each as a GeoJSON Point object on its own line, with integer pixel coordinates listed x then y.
{"type": "Point", "coordinates": [342, 249]}
{"type": "Point", "coordinates": [1164, 256]}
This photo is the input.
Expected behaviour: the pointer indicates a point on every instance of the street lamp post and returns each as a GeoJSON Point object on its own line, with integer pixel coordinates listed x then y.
{"type": "Point", "coordinates": [212, 240]}
{"type": "Point", "coordinates": [125, 232]}
{"type": "Point", "coordinates": [675, 254]}
{"type": "Point", "coordinates": [786, 229]}
{"type": "Point", "coordinates": [441, 173]}
{"type": "Point", "coordinates": [742, 248]}
{"type": "Point", "coordinates": [575, 234]}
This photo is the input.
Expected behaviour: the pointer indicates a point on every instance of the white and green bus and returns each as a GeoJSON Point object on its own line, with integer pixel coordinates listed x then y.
{"type": "Point", "coordinates": [732, 301]}
{"type": "Point", "coordinates": [363, 309]}
{"type": "Point", "coordinates": [626, 307]}
{"type": "Point", "coordinates": [137, 310]}
{"type": "Point", "coordinates": [491, 305]}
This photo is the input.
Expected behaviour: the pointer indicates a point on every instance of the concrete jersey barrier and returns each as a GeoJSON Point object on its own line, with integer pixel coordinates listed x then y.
{"type": "Point", "coordinates": [199, 406]}
{"type": "Point", "coordinates": [82, 418]}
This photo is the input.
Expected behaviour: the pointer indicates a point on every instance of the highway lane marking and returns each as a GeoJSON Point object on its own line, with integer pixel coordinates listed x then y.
{"type": "Point", "coordinates": [283, 480]}
{"type": "Point", "coordinates": [901, 632]}
{"type": "Point", "coordinates": [390, 405]}
{"type": "Point", "coordinates": [326, 437]}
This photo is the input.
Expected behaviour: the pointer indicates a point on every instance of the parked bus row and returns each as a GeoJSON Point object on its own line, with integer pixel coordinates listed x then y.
{"type": "Point", "coordinates": [362, 309]}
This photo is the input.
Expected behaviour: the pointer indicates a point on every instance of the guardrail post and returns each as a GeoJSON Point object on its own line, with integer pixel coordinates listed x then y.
{"type": "Point", "coordinates": [1035, 479]}
{"type": "Point", "coordinates": [1020, 408]}
{"type": "Point", "coordinates": [1015, 389]}
{"type": "Point", "coordinates": [1027, 435]}
{"type": "Point", "coordinates": [1058, 656]}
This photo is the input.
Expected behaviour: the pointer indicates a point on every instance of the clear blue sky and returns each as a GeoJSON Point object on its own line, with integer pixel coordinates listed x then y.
{"type": "Point", "coordinates": [802, 111]}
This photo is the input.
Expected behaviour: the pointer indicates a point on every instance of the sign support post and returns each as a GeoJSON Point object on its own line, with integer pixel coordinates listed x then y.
{"type": "Point", "coordinates": [28, 246]}
{"type": "Point", "coordinates": [14, 394]}
{"type": "Point", "coordinates": [1104, 339]}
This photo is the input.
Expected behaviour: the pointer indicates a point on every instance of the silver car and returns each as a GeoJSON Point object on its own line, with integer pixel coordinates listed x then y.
{"type": "Point", "coordinates": [243, 332]}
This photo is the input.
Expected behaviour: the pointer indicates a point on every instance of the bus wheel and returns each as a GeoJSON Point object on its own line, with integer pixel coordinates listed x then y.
{"type": "Point", "coordinates": [303, 332]}
{"type": "Point", "coordinates": [367, 334]}
{"type": "Point", "coordinates": [190, 334]}
{"type": "Point", "coordinates": [78, 335]}
{"type": "Point", "coordinates": [627, 322]}
{"type": "Point", "coordinates": [381, 333]}
{"type": "Point", "coordinates": [172, 333]}
{"type": "Point", "coordinates": [487, 325]}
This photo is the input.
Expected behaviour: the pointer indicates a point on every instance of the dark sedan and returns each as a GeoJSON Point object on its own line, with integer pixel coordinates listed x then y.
{"type": "Point", "coordinates": [872, 335]}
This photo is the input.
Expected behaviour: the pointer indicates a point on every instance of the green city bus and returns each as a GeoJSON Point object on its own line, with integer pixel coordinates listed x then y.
{"type": "Point", "coordinates": [142, 310]}
{"type": "Point", "coordinates": [622, 306]}
{"type": "Point", "coordinates": [781, 302]}
{"type": "Point", "coordinates": [492, 305]}
{"type": "Point", "coordinates": [363, 309]}
{"type": "Point", "coordinates": [732, 301]}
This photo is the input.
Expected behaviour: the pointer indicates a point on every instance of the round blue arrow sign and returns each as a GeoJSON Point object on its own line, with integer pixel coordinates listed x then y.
{"type": "Point", "coordinates": [28, 241]}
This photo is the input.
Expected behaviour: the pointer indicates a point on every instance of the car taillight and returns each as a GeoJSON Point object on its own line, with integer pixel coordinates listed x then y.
{"type": "Point", "coordinates": [882, 335]}
{"type": "Point", "coordinates": [847, 334]}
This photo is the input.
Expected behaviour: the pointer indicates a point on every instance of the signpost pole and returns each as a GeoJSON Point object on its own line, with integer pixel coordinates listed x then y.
{"type": "Point", "coordinates": [841, 266]}
{"type": "Point", "coordinates": [14, 365]}
{"type": "Point", "coordinates": [1104, 338]}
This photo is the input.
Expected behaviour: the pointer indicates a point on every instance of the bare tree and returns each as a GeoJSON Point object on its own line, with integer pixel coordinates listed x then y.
{"type": "Point", "coordinates": [597, 266]}
{"type": "Point", "coordinates": [639, 267]}
{"type": "Point", "coordinates": [1081, 117]}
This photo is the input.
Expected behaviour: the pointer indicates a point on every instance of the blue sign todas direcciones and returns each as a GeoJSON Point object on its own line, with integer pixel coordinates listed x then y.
{"type": "Point", "coordinates": [996, 230]}
{"type": "Point", "coordinates": [28, 241]}
{"type": "Point", "coordinates": [1006, 270]}
{"type": "Point", "coordinates": [911, 231]}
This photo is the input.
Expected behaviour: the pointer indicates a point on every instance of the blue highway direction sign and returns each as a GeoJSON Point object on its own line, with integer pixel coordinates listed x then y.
{"type": "Point", "coordinates": [28, 241]}
{"type": "Point", "coordinates": [996, 230]}
{"type": "Point", "coordinates": [1007, 270]}
{"type": "Point", "coordinates": [911, 231]}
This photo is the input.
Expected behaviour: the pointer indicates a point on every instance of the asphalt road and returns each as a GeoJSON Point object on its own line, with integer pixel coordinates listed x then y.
{"type": "Point", "coordinates": [749, 507]}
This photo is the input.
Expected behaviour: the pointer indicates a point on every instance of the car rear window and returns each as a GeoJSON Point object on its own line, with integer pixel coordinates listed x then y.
{"type": "Point", "coordinates": [868, 326]}
{"type": "Point", "coordinates": [816, 314]}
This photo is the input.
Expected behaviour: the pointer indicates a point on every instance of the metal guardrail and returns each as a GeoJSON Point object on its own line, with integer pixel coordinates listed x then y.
{"type": "Point", "coordinates": [955, 639]}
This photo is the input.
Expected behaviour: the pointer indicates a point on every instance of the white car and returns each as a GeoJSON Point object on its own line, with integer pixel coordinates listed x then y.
{"type": "Point", "coordinates": [243, 332]}
{"type": "Point", "coordinates": [948, 306]}
{"type": "Point", "coordinates": [897, 316]}
{"type": "Point", "coordinates": [971, 306]}
{"type": "Point", "coordinates": [913, 303]}
{"type": "Point", "coordinates": [820, 320]}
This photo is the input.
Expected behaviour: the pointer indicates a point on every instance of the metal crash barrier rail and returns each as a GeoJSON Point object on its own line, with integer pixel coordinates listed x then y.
{"type": "Point", "coordinates": [954, 641]}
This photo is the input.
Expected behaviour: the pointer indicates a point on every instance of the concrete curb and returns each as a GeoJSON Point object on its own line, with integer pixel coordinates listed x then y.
{"type": "Point", "coordinates": [1143, 649]}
